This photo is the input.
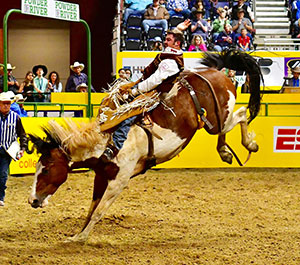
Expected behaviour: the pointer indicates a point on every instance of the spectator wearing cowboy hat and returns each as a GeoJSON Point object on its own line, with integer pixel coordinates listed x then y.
{"type": "Point", "coordinates": [18, 106]}
{"type": "Point", "coordinates": [241, 22]}
{"type": "Point", "coordinates": [11, 129]}
{"type": "Point", "coordinates": [200, 26]}
{"type": "Point", "coordinates": [12, 82]}
{"type": "Point", "coordinates": [82, 88]}
{"type": "Point", "coordinates": [41, 83]}
{"type": "Point", "coordinates": [294, 80]}
{"type": "Point", "coordinates": [76, 78]}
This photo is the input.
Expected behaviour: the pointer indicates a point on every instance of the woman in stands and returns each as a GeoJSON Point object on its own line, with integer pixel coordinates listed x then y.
{"type": "Point", "coordinates": [197, 44]}
{"type": "Point", "coordinates": [54, 84]}
{"type": "Point", "coordinates": [27, 87]}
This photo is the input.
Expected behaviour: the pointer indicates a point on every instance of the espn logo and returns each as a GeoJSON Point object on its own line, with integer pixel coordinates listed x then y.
{"type": "Point", "coordinates": [287, 139]}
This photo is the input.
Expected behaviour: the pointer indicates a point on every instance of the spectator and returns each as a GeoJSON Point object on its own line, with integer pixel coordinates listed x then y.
{"type": "Point", "coordinates": [128, 72]}
{"type": "Point", "coordinates": [76, 78]}
{"type": "Point", "coordinates": [136, 7]}
{"type": "Point", "coordinates": [11, 129]}
{"type": "Point", "coordinates": [244, 41]}
{"type": "Point", "coordinates": [198, 5]}
{"type": "Point", "coordinates": [296, 29]}
{"type": "Point", "coordinates": [225, 39]}
{"type": "Point", "coordinates": [241, 22]}
{"type": "Point", "coordinates": [54, 84]}
{"type": "Point", "coordinates": [156, 16]}
{"type": "Point", "coordinates": [157, 45]}
{"type": "Point", "coordinates": [41, 83]}
{"type": "Point", "coordinates": [82, 88]}
{"type": "Point", "coordinates": [12, 83]}
{"type": "Point", "coordinates": [199, 25]}
{"type": "Point", "coordinates": [162, 3]}
{"type": "Point", "coordinates": [246, 86]}
{"type": "Point", "coordinates": [122, 75]}
{"type": "Point", "coordinates": [219, 22]}
{"type": "Point", "coordinates": [296, 10]}
{"type": "Point", "coordinates": [231, 76]}
{"type": "Point", "coordinates": [27, 87]}
{"type": "Point", "coordinates": [197, 44]}
{"type": "Point", "coordinates": [18, 106]}
{"type": "Point", "coordinates": [247, 11]}
{"type": "Point", "coordinates": [178, 7]}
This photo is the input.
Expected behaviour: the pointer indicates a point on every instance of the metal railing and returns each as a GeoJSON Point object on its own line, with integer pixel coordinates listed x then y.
{"type": "Point", "coordinates": [267, 106]}
{"type": "Point", "coordinates": [282, 44]}
{"type": "Point", "coordinates": [61, 106]}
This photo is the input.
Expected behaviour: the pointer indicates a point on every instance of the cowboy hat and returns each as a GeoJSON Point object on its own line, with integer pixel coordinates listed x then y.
{"type": "Point", "coordinates": [296, 69]}
{"type": "Point", "coordinates": [240, 9]}
{"type": "Point", "coordinates": [82, 85]}
{"type": "Point", "coordinates": [35, 68]}
{"type": "Point", "coordinates": [9, 67]}
{"type": "Point", "coordinates": [198, 11]}
{"type": "Point", "coordinates": [20, 98]}
{"type": "Point", "coordinates": [77, 64]}
{"type": "Point", "coordinates": [5, 97]}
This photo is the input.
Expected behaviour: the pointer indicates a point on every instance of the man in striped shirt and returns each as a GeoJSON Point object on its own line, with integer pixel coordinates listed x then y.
{"type": "Point", "coordinates": [10, 129]}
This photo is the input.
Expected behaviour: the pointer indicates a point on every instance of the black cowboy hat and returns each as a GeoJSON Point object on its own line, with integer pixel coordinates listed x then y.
{"type": "Point", "coordinates": [197, 11]}
{"type": "Point", "coordinates": [35, 68]}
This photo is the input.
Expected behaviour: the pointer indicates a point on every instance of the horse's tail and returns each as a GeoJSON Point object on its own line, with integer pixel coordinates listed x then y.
{"type": "Point", "coordinates": [240, 61]}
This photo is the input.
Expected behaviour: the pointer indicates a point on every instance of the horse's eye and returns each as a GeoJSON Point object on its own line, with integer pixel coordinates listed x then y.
{"type": "Point", "coordinates": [45, 171]}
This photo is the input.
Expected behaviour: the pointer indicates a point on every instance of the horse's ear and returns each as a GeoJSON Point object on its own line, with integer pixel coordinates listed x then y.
{"type": "Point", "coordinates": [37, 143]}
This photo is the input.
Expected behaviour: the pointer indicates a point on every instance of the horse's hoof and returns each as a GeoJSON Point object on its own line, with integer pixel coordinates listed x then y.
{"type": "Point", "coordinates": [225, 154]}
{"type": "Point", "coordinates": [226, 157]}
{"type": "Point", "coordinates": [252, 147]}
{"type": "Point", "coordinates": [78, 238]}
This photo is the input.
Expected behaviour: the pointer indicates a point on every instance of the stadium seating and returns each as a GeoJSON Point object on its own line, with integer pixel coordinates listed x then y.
{"type": "Point", "coordinates": [155, 32]}
{"type": "Point", "coordinates": [133, 44]}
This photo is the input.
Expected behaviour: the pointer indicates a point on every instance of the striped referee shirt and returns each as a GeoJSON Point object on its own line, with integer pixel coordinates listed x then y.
{"type": "Point", "coordinates": [10, 128]}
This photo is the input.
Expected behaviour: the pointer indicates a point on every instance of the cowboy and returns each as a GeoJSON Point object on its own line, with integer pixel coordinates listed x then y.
{"type": "Point", "coordinates": [164, 68]}
{"type": "Point", "coordinates": [41, 83]}
{"type": "Point", "coordinates": [82, 88]}
{"type": "Point", "coordinates": [76, 78]}
{"type": "Point", "coordinates": [12, 82]}
{"type": "Point", "coordinates": [10, 129]}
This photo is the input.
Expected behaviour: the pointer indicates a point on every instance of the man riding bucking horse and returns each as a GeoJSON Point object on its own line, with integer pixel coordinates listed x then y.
{"type": "Point", "coordinates": [166, 67]}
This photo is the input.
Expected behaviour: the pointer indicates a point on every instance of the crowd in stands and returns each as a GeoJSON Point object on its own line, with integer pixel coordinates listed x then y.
{"type": "Point", "coordinates": [216, 25]}
{"type": "Point", "coordinates": [37, 88]}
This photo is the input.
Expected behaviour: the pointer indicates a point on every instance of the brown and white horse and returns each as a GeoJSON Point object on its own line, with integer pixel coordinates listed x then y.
{"type": "Point", "coordinates": [72, 146]}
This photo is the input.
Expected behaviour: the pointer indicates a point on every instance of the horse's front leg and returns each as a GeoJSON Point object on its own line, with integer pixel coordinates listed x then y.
{"type": "Point", "coordinates": [100, 206]}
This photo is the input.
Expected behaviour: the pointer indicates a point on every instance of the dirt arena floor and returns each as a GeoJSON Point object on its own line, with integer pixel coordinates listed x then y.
{"type": "Point", "coordinates": [231, 216]}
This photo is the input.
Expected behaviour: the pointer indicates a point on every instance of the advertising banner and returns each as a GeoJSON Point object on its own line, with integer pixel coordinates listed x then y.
{"type": "Point", "coordinates": [51, 9]}
{"type": "Point", "coordinates": [274, 65]}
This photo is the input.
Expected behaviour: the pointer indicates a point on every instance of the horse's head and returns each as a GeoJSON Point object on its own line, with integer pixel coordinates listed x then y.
{"type": "Point", "coordinates": [51, 169]}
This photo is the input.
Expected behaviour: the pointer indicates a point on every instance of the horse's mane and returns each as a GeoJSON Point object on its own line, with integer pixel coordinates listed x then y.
{"type": "Point", "coordinates": [79, 140]}
{"type": "Point", "coordinates": [240, 61]}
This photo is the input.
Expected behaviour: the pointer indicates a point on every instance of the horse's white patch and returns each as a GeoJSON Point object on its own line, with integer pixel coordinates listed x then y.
{"type": "Point", "coordinates": [234, 117]}
{"type": "Point", "coordinates": [39, 167]}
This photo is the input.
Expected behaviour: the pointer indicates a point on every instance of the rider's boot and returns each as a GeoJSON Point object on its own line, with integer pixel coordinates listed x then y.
{"type": "Point", "coordinates": [109, 153]}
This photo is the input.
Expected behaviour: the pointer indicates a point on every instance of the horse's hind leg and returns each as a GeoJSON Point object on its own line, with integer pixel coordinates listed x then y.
{"type": "Point", "coordinates": [239, 116]}
{"type": "Point", "coordinates": [223, 150]}
{"type": "Point", "coordinates": [247, 138]}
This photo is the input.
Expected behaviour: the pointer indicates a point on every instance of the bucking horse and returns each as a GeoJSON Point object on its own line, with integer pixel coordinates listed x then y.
{"type": "Point", "coordinates": [175, 120]}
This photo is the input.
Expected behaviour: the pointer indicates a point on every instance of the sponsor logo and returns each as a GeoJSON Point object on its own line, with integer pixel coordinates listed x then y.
{"type": "Point", "coordinates": [287, 139]}
{"type": "Point", "coordinates": [29, 163]}
{"type": "Point", "coordinates": [290, 63]}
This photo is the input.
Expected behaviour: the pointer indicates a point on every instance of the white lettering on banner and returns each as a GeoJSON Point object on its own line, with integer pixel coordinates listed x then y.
{"type": "Point", "coordinates": [52, 9]}
{"type": "Point", "coordinates": [287, 139]}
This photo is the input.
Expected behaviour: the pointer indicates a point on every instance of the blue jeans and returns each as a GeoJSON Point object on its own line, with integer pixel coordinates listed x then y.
{"type": "Point", "coordinates": [5, 160]}
{"type": "Point", "coordinates": [147, 23]}
{"type": "Point", "coordinates": [129, 11]}
{"type": "Point", "coordinates": [186, 13]}
{"type": "Point", "coordinates": [120, 134]}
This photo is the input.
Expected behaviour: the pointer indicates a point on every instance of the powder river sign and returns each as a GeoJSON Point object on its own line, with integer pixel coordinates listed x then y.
{"type": "Point", "coordinates": [51, 9]}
